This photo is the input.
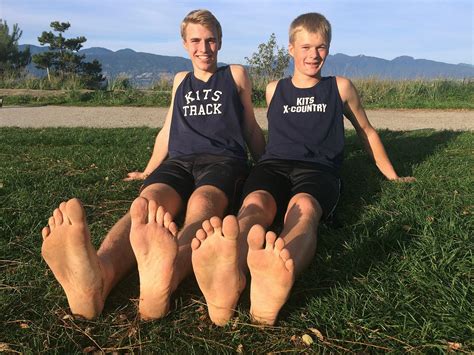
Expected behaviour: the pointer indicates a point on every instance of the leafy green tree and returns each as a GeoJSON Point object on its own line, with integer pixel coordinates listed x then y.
{"type": "Point", "coordinates": [11, 59]}
{"type": "Point", "coordinates": [269, 62]}
{"type": "Point", "coordinates": [62, 58]}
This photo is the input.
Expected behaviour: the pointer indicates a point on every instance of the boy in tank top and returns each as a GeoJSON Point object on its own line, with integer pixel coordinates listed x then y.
{"type": "Point", "coordinates": [299, 171]}
{"type": "Point", "coordinates": [198, 162]}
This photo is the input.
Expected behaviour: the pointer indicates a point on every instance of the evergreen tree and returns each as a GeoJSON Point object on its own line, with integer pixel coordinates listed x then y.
{"type": "Point", "coordinates": [11, 59]}
{"type": "Point", "coordinates": [62, 58]}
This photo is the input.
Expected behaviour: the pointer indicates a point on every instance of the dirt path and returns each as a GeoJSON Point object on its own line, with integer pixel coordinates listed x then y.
{"type": "Point", "coordinates": [62, 116]}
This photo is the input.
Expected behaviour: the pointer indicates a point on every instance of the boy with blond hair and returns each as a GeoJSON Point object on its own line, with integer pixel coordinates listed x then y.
{"type": "Point", "coordinates": [299, 172]}
{"type": "Point", "coordinates": [197, 162]}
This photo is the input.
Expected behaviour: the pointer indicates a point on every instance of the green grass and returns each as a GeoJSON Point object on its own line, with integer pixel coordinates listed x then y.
{"type": "Point", "coordinates": [375, 94]}
{"type": "Point", "coordinates": [392, 273]}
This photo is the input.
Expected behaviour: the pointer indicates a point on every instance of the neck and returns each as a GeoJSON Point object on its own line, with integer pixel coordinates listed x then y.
{"type": "Point", "coordinates": [204, 75]}
{"type": "Point", "coordinates": [304, 81]}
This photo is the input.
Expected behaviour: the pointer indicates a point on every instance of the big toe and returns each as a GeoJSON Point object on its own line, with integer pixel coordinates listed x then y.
{"type": "Point", "coordinates": [256, 237]}
{"type": "Point", "coordinates": [139, 210]}
{"type": "Point", "coordinates": [230, 227]}
{"type": "Point", "coordinates": [75, 211]}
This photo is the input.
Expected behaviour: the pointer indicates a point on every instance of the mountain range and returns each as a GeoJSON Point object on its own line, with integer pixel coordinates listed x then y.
{"type": "Point", "coordinates": [145, 68]}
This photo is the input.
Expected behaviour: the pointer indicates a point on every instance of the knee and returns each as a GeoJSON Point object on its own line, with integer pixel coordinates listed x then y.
{"type": "Point", "coordinates": [208, 197]}
{"type": "Point", "coordinates": [306, 205]}
{"type": "Point", "coordinates": [259, 201]}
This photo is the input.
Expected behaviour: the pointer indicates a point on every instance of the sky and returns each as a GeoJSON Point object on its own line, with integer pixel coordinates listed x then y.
{"type": "Point", "coordinates": [440, 30]}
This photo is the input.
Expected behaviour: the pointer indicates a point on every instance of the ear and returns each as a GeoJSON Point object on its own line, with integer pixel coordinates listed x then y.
{"type": "Point", "coordinates": [291, 49]}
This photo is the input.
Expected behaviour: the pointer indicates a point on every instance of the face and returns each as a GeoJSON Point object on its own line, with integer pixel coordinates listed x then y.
{"type": "Point", "coordinates": [202, 46]}
{"type": "Point", "coordinates": [309, 51]}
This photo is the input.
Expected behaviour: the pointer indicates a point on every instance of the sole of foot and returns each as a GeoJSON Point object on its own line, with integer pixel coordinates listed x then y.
{"type": "Point", "coordinates": [154, 243]}
{"type": "Point", "coordinates": [68, 251]}
{"type": "Point", "coordinates": [272, 275]}
{"type": "Point", "coordinates": [216, 266]}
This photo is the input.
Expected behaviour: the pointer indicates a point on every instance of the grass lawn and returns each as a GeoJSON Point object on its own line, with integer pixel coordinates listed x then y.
{"type": "Point", "coordinates": [392, 273]}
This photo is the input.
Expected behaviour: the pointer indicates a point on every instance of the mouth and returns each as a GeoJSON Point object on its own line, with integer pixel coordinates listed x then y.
{"type": "Point", "coordinates": [204, 57]}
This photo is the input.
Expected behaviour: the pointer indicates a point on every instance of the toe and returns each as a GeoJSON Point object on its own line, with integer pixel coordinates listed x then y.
{"type": "Point", "coordinates": [51, 223]}
{"type": "Point", "coordinates": [279, 245]}
{"type": "Point", "coordinates": [58, 217]}
{"type": "Point", "coordinates": [167, 220]}
{"type": "Point", "coordinates": [206, 225]}
{"type": "Point", "coordinates": [256, 237]}
{"type": "Point", "coordinates": [230, 227]}
{"type": "Point", "coordinates": [45, 232]}
{"type": "Point", "coordinates": [270, 238]}
{"type": "Point", "coordinates": [138, 210]}
{"type": "Point", "coordinates": [195, 244]}
{"type": "Point", "coordinates": [152, 211]}
{"type": "Point", "coordinates": [173, 228]}
{"type": "Point", "coordinates": [160, 214]}
{"type": "Point", "coordinates": [216, 223]}
{"type": "Point", "coordinates": [75, 211]}
{"type": "Point", "coordinates": [201, 234]}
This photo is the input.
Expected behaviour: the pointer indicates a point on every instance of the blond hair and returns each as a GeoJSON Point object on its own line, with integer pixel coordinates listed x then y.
{"type": "Point", "coordinates": [313, 23]}
{"type": "Point", "coordinates": [204, 18]}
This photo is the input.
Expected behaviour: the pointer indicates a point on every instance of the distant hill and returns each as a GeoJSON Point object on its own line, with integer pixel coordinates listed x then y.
{"type": "Point", "coordinates": [145, 68]}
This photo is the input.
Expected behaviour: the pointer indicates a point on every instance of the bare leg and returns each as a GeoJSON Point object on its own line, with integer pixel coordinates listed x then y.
{"type": "Point", "coordinates": [68, 251]}
{"type": "Point", "coordinates": [153, 239]}
{"type": "Point", "coordinates": [276, 266]}
{"type": "Point", "coordinates": [216, 266]}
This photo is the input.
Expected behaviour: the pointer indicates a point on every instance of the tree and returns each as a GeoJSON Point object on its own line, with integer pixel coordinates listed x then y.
{"type": "Point", "coordinates": [269, 63]}
{"type": "Point", "coordinates": [11, 59]}
{"type": "Point", "coordinates": [62, 58]}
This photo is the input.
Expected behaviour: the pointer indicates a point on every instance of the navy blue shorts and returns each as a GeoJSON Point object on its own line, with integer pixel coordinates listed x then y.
{"type": "Point", "coordinates": [187, 173]}
{"type": "Point", "coordinates": [285, 178]}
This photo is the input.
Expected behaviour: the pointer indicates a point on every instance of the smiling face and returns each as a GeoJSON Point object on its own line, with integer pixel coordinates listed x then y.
{"type": "Point", "coordinates": [309, 51]}
{"type": "Point", "coordinates": [202, 45]}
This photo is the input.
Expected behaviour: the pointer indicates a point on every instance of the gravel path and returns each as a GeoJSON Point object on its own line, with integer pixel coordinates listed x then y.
{"type": "Point", "coordinates": [107, 117]}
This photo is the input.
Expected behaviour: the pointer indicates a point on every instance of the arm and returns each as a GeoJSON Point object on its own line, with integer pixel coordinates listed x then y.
{"type": "Point", "coordinates": [354, 111]}
{"type": "Point", "coordinates": [160, 149]}
{"type": "Point", "coordinates": [252, 132]}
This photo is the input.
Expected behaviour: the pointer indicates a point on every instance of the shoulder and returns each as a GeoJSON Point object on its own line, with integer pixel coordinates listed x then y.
{"type": "Point", "coordinates": [240, 76]}
{"type": "Point", "coordinates": [237, 70]}
{"type": "Point", "coordinates": [179, 77]}
{"type": "Point", "coordinates": [345, 87]}
{"type": "Point", "coordinates": [270, 90]}
{"type": "Point", "coordinates": [271, 86]}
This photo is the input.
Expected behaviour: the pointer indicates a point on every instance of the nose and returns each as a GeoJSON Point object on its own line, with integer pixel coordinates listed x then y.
{"type": "Point", "coordinates": [314, 52]}
{"type": "Point", "coordinates": [203, 46]}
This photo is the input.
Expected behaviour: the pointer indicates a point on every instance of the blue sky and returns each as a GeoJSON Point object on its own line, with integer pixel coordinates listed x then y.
{"type": "Point", "coordinates": [440, 30]}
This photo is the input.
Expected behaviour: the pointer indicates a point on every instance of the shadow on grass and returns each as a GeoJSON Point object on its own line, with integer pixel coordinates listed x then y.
{"type": "Point", "coordinates": [347, 249]}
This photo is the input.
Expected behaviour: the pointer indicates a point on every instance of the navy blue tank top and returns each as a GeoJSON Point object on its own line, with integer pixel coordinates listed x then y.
{"type": "Point", "coordinates": [207, 117]}
{"type": "Point", "coordinates": [306, 124]}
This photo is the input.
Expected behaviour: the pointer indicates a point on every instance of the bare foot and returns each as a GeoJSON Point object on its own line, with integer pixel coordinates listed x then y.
{"type": "Point", "coordinates": [68, 251]}
{"type": "Point", "coordinates": [272, 272]}
{"type": "Point", "coordinates": [216, 266]}
{"type": "Point", "coordinates": [153, 240]}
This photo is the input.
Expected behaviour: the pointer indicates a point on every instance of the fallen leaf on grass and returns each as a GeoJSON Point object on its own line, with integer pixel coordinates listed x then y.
{"type": "Point", "coordinates": [307, 339]}
{"type": "Point", "coordinates": [454, 346]}
{"type": "Point", "coordinates": [24, 325]}
{"type": "Point", "coordinates": [240, 349]}
{"type": "Point", "coordinates": [89, 349]}
{"type": "Point", "coordinates": [318, 334]}
{"type": "Point", "coordinates": [4, 347]}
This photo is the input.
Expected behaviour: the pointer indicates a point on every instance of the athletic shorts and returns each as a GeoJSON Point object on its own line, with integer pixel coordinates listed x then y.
{"type": "Point", "coordinates": [187, 173]}
{"type": "Point", "coordinates": [285, 178]}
